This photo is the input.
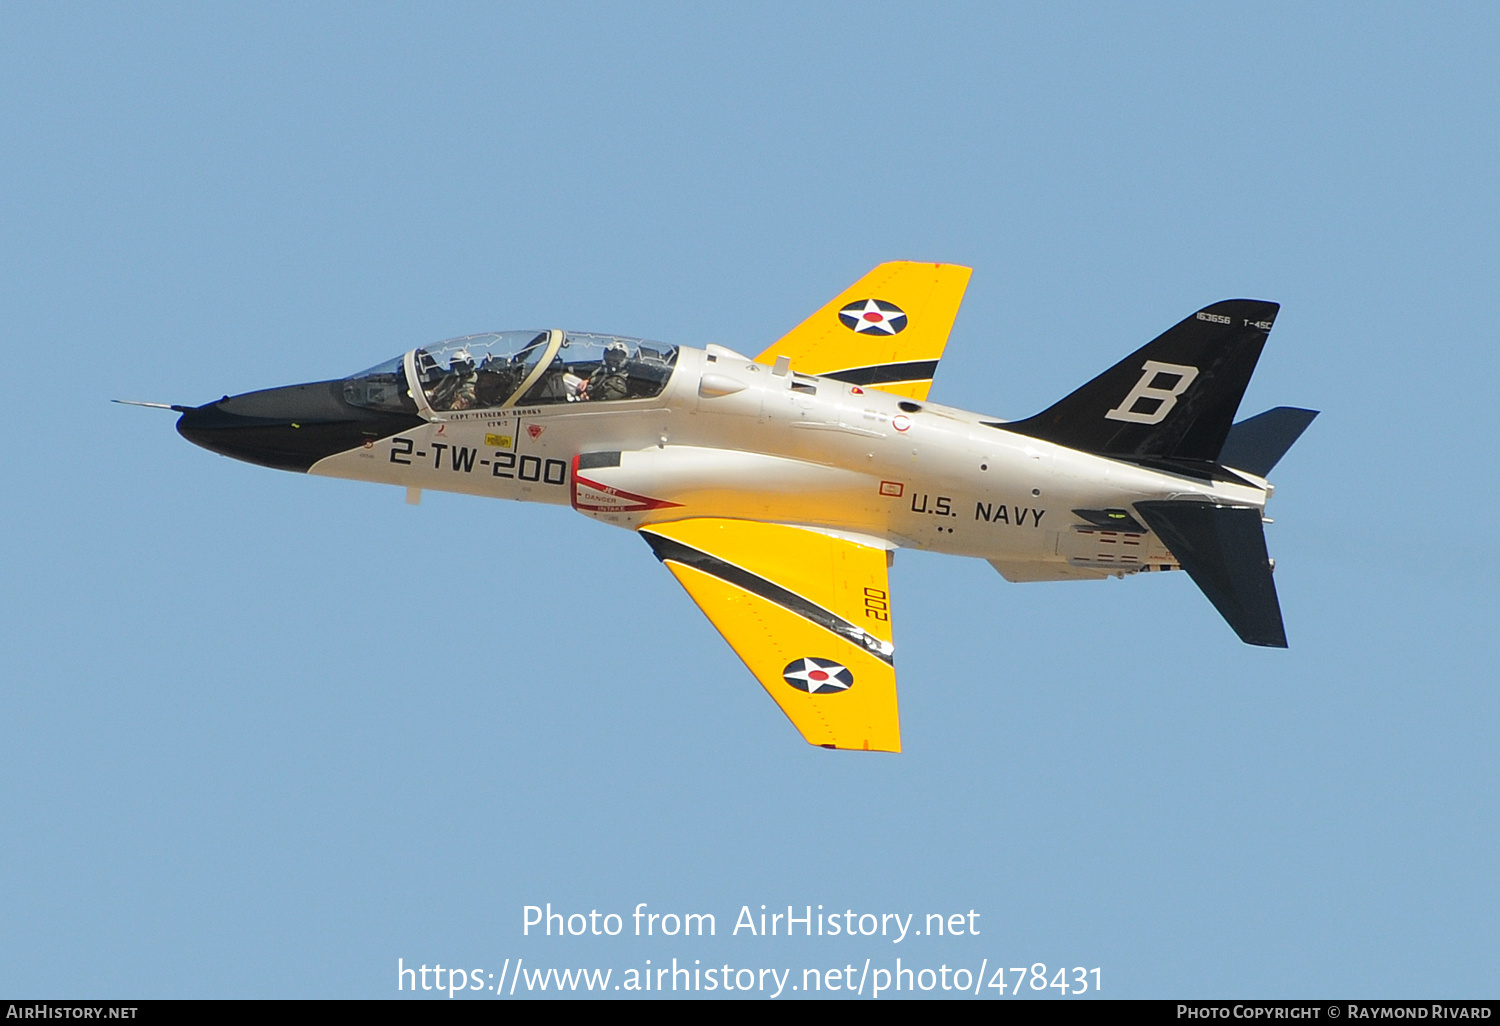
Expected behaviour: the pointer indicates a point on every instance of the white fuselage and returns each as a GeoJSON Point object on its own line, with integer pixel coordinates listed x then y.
{"type": "Point", "coordinates": [731, 438]}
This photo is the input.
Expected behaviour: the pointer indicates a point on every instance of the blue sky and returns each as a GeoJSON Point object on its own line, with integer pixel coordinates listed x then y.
{"type": "Point", "coordinates": [265, 734]}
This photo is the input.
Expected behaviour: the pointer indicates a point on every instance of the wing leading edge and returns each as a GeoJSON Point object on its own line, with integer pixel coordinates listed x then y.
{"type": "Point", "coordinates": [885, 331]}
{"type": "Point", "coordinates": [809, 614]}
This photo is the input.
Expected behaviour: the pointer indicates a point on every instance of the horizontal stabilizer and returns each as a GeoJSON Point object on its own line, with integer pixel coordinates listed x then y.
{"type": "Point", "coordinates": [1258, 444]}
{"type": "Point", "coordinates": [1174, 398]}
{"type": "Point", "coordinates": [1223, 549]}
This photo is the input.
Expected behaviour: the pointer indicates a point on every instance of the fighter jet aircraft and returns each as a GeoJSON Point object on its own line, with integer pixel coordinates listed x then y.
{"type": "Point", "coordinates": [776, 489]}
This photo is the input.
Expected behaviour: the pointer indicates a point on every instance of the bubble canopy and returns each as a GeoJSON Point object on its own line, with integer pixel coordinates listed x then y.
{"type": "Point", "coordinates": [509, 368]}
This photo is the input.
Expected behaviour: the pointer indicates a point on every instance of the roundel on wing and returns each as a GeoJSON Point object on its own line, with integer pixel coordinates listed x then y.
{"type": "Point", "coordinates": [873, 317]}
{"type": "Point", "coordinates": [818, 676]}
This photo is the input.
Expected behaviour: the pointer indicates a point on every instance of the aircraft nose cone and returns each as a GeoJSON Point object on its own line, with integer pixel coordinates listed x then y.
{"type": "Point", "coordinates": [288, 428]}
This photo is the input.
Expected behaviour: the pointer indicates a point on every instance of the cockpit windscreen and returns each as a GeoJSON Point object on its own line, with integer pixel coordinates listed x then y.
{"type": "Point", "coordinates": [595, 368]}
{"type": "Point", "coordinates": [382, 387]}
{"type": "Point", "coordinates": [504, 368]}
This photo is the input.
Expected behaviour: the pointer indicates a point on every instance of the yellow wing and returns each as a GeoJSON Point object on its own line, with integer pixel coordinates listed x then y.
{"type": "Point", "coordinates": [885, 331]}
{"type": "Point", "coordinates": [809, 615]}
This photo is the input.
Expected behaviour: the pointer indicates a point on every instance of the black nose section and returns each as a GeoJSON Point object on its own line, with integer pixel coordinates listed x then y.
{"type": "Point", "coordinates": [289, 428]}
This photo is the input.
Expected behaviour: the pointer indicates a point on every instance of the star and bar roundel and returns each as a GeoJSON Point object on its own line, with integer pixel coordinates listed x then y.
{"type": "Point", "coordinates": [873, 317]}
{"type": "Point", "coordinates": [818, 676]}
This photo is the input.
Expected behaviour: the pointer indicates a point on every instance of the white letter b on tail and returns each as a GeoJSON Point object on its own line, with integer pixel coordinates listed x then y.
{"type": "Point", "coordinates": [1155, 394]}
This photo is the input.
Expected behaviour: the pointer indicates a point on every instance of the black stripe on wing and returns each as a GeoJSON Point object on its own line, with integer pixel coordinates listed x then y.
{"type": "Point", "coordinates": [668, 549]}
{"type": "Point", "coordinates": [886, 373]}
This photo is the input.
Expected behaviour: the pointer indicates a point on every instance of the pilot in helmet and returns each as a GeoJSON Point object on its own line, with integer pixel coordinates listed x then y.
{"type": "Point", "coordinates": [456, 391]}
{"type": "Point", "coordinates": [611, 380]}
